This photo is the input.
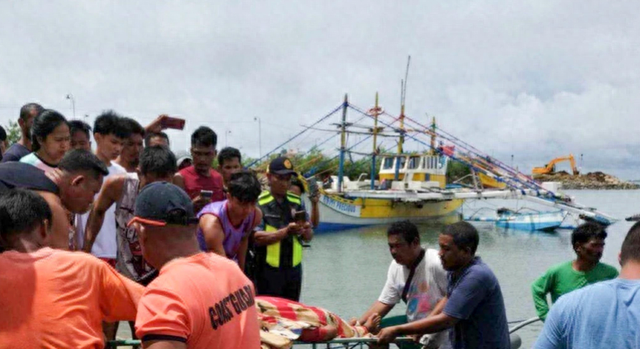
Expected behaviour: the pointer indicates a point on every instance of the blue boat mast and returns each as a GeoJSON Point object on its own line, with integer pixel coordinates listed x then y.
{"type": "Point", "coordinates": [342, 142]}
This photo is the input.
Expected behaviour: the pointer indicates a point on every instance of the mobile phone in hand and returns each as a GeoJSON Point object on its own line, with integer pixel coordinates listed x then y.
{"type": "Point", "coordinates": [207, 194]}
{"type": "Point", "coordinates": [313, 187]}
{"type": "Point", "coordinates": [173, 122]}
{"type": "Point", "coordinates": [300, 216]}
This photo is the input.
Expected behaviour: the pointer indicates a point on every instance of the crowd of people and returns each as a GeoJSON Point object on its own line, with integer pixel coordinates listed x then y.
{"type": "Point", "coordinates": [197, 257]}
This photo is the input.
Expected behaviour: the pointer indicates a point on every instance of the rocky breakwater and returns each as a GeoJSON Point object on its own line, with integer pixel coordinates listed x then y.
{"type": "Point", "coordinates": [591, 180]}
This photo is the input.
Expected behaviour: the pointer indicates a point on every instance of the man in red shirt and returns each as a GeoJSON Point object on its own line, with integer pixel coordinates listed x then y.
{"type": "Point", "coordinates": [202, 183]}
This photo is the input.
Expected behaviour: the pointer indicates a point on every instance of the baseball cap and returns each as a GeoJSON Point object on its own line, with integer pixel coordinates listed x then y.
{"type": "Point", "coordinates": [162, 203]}
{"type": "Point", "coordinates": [281, 166]}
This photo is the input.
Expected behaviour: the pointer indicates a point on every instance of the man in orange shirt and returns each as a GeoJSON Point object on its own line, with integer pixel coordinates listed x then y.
{"type": "Point", "coordinates": [199, 300]}
{"type": "Point", "coordinates": [53, 298]}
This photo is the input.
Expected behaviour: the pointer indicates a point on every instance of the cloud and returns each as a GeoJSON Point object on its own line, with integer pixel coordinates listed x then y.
{"type": "Point", "coordinates": [537, 79]}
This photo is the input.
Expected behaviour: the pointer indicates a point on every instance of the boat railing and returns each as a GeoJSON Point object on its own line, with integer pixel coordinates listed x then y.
{"type": "Point", "coordinates": [362, 177]}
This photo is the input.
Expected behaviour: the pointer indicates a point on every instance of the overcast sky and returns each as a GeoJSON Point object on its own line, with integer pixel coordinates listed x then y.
{"type": "Point", "coordinates": [536, 79]}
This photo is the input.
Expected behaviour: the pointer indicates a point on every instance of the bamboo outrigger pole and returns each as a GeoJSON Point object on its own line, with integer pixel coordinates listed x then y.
{"type": "Point", "coordinates": [433, 136]}
{"type": "Point", "coordinates": [343, 142]}
{"type": "Point", "coordinates": [403, 96]}
{"type": "Point", "coordinates": [375, 144]}
{"type": "Point", "coordinates": [396, 176]}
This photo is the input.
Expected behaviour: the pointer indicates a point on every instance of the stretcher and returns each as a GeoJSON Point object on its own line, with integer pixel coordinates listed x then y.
{"type": "Point", "coordinates": [342, 343]}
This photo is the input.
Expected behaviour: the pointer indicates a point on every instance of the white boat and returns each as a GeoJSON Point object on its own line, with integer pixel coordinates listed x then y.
{"type": "Point", "coordinates": [531, 220]}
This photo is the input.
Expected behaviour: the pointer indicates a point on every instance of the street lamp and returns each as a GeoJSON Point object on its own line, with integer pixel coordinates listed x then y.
{"type": "Point", "coordinates": [226, 143]}
{"type": "Point", "coordinates": [73, 104]}
{"type": "Point", "coordinates": [259, 134]}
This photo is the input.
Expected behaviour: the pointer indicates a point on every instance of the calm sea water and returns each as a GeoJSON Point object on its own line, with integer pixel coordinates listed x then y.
{"type": "Point", "coordinates": [345, 271]}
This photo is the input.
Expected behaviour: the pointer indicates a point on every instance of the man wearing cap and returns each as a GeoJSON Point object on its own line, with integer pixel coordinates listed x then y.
{"type": "Point", "coordinates": [278, 238]}
{"type": "Point", "coordinates": [199, 300]}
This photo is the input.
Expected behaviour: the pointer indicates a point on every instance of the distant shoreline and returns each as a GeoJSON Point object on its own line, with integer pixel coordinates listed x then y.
{"type": "Point", "coordinates": [580, 186]}
{"type": "Point", "coordinates": [592, 181]}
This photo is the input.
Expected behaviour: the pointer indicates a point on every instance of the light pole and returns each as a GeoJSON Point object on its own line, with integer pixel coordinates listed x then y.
{"type": "Point", "coordinates": [226, 133]}
{"type": "Point", "coordinates": [259, 135]}
{"type": "Point", "coordinates": [73, 104]}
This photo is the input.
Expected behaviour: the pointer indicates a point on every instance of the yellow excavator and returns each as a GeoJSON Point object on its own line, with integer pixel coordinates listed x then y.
{"type": "Point", "coordinates": [550, 168]}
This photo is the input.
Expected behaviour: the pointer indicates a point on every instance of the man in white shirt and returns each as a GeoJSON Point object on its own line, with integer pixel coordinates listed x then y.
{"type": "Point", "coordinates": [416, 277]}
{"type": "Point", "coordinates": [110, 132]}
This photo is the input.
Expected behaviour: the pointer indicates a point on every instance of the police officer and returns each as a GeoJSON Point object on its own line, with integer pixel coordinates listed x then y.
{"type": "Point", "coordinates": [279, 236]}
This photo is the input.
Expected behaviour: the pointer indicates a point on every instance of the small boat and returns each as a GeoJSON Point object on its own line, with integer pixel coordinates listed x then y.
{"type": "Point", "coordinates": [529, 221]}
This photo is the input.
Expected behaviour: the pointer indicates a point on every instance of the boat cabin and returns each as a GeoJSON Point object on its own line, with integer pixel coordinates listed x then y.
{"type": "Point", "coordinates": [415, 172]}
{"type": "Point", "coordinates": [414, 168]}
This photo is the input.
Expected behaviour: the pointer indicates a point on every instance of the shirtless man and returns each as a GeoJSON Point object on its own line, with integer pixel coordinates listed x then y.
{"type": "Point", "coordinates": [69, 187]}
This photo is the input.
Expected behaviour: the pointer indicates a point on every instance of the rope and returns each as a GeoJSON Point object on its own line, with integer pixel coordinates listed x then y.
{"type": "Point", "coordinates": [476, 168]}
{"type": "Point", "coordinates": [529, 184]}
{"type": "Point", "coordinates": [295, 136]}
{"type": "Point", "coordinates": [448, 136]}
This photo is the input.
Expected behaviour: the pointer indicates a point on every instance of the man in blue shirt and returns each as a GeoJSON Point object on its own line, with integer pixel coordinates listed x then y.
{"type": "Point", "coordinates": [602, 315]}
{"type": "Point", "coordinates": [474, 306]}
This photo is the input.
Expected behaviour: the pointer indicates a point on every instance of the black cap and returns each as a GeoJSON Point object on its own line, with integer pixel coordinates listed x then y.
{"type": "Point", "coordinates": [281, 166]}
{"type": "Point", "coordinates": [162, 203]}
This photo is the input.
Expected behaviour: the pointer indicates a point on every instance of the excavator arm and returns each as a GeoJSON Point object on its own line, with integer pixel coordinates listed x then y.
{"type": "Point", "coordinates": [550, 167]}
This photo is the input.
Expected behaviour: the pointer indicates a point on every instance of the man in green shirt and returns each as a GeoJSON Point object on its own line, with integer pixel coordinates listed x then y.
{"type": "Point", "coordinates": [588, 243]}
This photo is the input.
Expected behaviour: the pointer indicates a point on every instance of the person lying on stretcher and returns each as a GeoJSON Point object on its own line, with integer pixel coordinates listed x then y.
{"type": "Point", "coordinates": [283, 321]}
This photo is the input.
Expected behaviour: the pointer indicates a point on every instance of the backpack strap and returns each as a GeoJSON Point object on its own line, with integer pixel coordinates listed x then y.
{"type": "Point", "coordinates": [412, 272]}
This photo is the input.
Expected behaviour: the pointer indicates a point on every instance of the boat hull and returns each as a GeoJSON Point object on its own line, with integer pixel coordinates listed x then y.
{"type": "Point", "coordinates": [337, 213]}
{"type": "Point", "coordinates": [532, 222]}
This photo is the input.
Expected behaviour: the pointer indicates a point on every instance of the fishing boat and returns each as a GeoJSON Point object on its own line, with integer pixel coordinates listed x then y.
{"type": "Point", "coordinates": [413, 186]}
{"type": "Point", "coordinates": [347, 204]}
